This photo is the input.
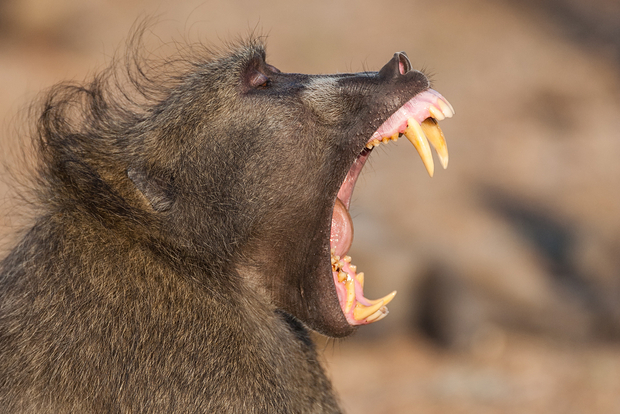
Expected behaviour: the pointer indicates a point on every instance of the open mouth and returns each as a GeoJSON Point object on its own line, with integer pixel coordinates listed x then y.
{"type": "Point", "coordinates": [417, 121]}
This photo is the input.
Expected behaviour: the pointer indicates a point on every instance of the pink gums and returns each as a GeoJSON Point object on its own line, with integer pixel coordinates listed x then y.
{"type": "Point", "coordinates": [416, 108]}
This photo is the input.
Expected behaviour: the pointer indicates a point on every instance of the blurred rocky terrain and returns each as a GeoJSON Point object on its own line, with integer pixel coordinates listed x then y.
{"type": "Point", "coordinates": [507, 264]}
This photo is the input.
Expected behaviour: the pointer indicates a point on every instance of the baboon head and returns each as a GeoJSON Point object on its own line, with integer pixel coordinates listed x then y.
{"type": "Point", "coordinates": [248, 171]}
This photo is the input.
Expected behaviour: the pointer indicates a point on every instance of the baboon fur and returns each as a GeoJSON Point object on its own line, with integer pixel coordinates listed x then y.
{"type": "Point", "coordinates": [180, 250]}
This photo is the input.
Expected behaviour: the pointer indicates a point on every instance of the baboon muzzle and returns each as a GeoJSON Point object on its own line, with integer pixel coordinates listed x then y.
{"type": "Point", "coordinates": [417, 121]}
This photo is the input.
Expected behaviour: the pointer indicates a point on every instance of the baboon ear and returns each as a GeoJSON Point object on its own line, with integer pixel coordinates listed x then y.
{"type": "Point", "coordinates": [155, 190]}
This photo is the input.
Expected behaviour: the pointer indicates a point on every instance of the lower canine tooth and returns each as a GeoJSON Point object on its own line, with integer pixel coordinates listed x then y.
{"type": "Point", "coordinates": [378, 315]}
{"type": "Point", "coordinates": [361, 312]}
{"type": "Point", "coordinates": [437, 140]}
{"type": "Point", "coordinates": [415, 134]}
{"type": "Point", "coordinates": [386, 299]}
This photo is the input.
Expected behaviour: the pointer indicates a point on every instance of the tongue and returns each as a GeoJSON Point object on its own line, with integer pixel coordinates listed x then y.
{"type": "Point", "coordinates": [342, 229]}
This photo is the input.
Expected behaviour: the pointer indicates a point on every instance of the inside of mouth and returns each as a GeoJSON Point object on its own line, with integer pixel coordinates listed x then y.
{"type": "Point", "coordinates": [417, 120]}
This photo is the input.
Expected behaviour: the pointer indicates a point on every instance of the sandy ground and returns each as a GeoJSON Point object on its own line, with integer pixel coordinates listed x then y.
{"type": "Point", "coordinates": [516, 243]}
{"type": "Point", "coordinates": [511, 374]}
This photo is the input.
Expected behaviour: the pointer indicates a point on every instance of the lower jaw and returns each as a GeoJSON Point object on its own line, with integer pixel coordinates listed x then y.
{"type": "Point", "coordinates": [349, 284]}
{"type": "Point", "coordinates": [357, 309]}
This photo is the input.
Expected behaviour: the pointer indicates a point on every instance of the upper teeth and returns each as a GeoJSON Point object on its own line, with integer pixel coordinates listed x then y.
{"type": "Point", "coordinates": [437, 140]}
{"type": "Point", "coordinates": [373, 143]}
{"type": "Point", "coordinates": [417, 137]}
{"type": "Point", "coordinates": [420, 135]}
{"type": "Point", "coordinates": [436, 108]}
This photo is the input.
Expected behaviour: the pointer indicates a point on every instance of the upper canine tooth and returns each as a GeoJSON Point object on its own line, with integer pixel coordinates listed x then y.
{"type": "Point", "coordinates": [415, 134]}
{"type": "Point", "coordinates": [437, 140]}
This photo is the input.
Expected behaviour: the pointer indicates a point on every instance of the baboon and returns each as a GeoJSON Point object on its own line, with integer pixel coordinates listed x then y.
{"type": "Point", "coordinates": [191, 229]}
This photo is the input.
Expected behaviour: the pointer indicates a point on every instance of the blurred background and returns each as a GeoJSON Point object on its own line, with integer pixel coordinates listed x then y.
{"type": "Point", "coordinates": [507, 264]}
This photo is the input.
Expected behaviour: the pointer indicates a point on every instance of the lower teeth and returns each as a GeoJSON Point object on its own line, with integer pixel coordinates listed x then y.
{"type": "Point", "coordinates": [359, 312]}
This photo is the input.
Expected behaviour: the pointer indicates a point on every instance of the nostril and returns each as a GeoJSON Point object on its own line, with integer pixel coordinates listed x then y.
{"type": "Point", "coordinates": [404, 65]}
{"type": "Point", "coordinates": [397, 66]}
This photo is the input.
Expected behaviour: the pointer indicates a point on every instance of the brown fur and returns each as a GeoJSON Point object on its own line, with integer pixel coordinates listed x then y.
{"type": "Point", "coordinates": [181, 246]}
